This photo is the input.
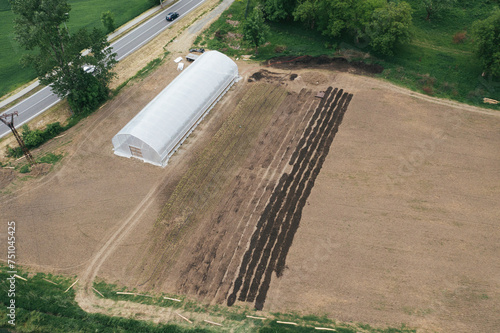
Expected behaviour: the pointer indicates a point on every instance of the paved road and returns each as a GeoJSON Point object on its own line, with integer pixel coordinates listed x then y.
{"type": "Point", "coordinates": [44, 99]}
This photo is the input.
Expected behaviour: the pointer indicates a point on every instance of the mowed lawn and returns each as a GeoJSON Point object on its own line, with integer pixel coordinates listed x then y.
{"type": "Point", "coordinates": [83, 14]}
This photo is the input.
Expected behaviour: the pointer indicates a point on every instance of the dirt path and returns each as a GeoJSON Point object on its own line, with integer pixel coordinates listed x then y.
{"type": "Point", "coordinates": [91, 271]}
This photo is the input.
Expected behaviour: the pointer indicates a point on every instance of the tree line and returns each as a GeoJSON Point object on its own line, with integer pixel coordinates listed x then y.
{"type": "Point", "coordinates": [382, 24]}
{"type": "Point", "coordinates": [83, 77]}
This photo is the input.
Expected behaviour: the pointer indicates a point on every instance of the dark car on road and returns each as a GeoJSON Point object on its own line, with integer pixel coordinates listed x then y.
{"type": "Point", "coordinates": [197, 50]}
{"type": "Point", "coordinates": [172, 16]}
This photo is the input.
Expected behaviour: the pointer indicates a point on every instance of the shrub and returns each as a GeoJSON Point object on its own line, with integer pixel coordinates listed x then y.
{"type": "Point", "coordinates": [14, 152]}
{"type": "Point", "coordinates": [220, 34]}
{"type": "Point", "coordinates": [280, 49]}
{"type": "Point", "coordinates": [24, 169]}
{"type": "Point", "coordinates": [32, 139]}
{"type": "Point", "coordinates": [427, 80]}
{"type": "Point", "coordinates": [35, 138]}
{"type": "Point", "coordinates": [428, 90]}
{"type": "Point", "coordinates": [53, 130]}
{"type": "Point", "coordinates": [460, 37]}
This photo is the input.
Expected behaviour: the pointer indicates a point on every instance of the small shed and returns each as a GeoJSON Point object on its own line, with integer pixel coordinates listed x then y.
{"type": "Point", "coordinates": [156, 132]}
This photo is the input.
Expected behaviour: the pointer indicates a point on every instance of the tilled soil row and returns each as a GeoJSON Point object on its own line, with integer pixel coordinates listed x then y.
{"type": "Point", "coordinates": [212, 259]}
{"type": "Point", "coordinates": [264, 224]}
{"type": "Point", "coordinates": [196, 187]}
{"type": "Point", "coordinates": [276, 228]}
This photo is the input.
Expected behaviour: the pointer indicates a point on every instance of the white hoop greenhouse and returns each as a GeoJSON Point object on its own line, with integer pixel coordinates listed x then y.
{"type": "Point", "coordinates": [156, 132]}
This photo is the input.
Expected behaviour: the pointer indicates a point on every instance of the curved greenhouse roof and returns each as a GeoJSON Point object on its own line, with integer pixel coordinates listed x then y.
{"type": "Point", "coordinates": [156, 132]}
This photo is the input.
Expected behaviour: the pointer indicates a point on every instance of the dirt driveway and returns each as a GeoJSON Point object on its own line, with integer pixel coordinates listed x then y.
{"type": "Point", "coordinates": [401, 225]}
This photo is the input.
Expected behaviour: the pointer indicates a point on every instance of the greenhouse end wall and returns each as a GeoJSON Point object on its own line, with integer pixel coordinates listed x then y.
{"type": "Point", "coordinates": [157, 131]}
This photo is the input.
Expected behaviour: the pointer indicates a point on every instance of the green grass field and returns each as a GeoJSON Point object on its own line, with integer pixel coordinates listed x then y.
{"type": "Point", "coordinates": [433, 63]}
{"type": "Point", "coordinates": [438, 65]}
{"type": "Point", "coordinates": [12, 74]}
{"type": "Point", "coordinates": [83, 14]}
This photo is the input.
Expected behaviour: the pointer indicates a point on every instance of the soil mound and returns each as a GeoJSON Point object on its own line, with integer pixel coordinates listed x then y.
{"type": "Point", "coordinates": [323, 61]}
{"type": "Point", "coordinates": [264, 74]}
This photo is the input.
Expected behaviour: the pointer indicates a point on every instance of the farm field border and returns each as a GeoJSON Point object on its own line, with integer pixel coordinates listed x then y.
{"type": "Point", "coordinates": [50, 299]}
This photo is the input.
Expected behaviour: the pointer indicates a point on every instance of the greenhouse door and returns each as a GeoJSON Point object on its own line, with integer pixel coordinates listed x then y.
{"type": "Point", "coordinates": [136, 152]}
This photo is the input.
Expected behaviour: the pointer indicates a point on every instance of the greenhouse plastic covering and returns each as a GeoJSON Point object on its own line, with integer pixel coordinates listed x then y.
{"type": "Point", "coordinates": [156, 132]}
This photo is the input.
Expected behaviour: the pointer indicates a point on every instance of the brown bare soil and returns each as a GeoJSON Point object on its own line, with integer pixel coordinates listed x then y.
{"type": "Point", "coordinates": [341, 64]}
{"type": "Point", "coordinates": [280, 219]}
{"type": "Point", "coordinates": [371, 204]}
{"type": "Point", "coordinates": [6, 177]}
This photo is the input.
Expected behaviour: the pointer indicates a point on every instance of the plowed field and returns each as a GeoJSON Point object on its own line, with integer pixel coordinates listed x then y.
{"type": "Point", "coordinates": [238, 184]}
{"type": "Point", "coordinates": [280, 219]}
{"type": "Point", "coordinates": [369, 204]}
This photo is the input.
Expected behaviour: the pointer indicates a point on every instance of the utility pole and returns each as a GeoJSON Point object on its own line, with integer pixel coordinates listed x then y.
{"type": "Point", "coordinates": [4, 118]}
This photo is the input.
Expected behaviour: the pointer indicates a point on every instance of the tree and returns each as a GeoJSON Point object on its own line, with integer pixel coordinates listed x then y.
{"type": "Point", "coordinates": [108, 20]}
{"type": "Point", "coordinates": [87, 93]}
{"type": "Point", "coordinates": [89, 89]}
{"type": "Point", "coordinates": [487, 39]}
{"type": "Point", "coordinates": [40, 26]}
{"type": "Point", "coordinates": [390, 25]}
{"type": "Point", "coordinates": [432, 7]}
{"type": "Point", "coordinates": [307, 12]}
{"type": "Point", "coordinates": [336, 17]}
{"type": "Point", "coordinates": [255, 29]}
{"type": "Point", "coordinates": [277, 10]}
